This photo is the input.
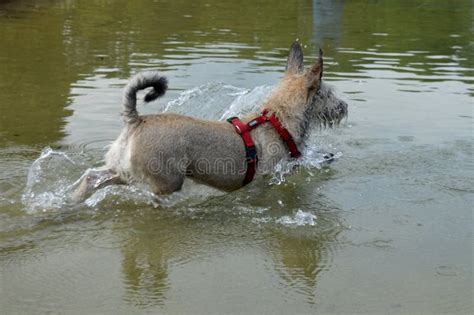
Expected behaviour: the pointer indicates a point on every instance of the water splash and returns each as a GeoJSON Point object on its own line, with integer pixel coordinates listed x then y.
{"type": "Point", "coordinates": [247, 102]}
{"type": "Point", "coordinates": [113, 195]}
{"type": "Point", "coordinates": [300, 218]}
{"type": "Point", "coordinates": [218, 101]}
{"type": "Point", "coordinates": [139, 194]}
{"type": "Point", "coordinates": [48, 181]}
{"type": "Point", "coordinates": [313, 158]}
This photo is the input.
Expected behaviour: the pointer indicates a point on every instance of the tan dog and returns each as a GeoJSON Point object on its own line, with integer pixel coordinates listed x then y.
{"type": "Point", "coordinates": [161, 150]}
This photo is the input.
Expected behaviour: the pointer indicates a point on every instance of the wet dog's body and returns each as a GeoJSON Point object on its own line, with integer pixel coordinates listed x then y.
{"type": "Point", "coordinates": [161, 150]}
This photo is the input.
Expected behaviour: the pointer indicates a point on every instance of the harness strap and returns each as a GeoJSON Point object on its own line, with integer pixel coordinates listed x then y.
{"type": "Point", "coordinates": [284, 135]}
{"type": "Point", "coordinates": [250, 152]}
{"type": "Point", "coordinates": [243, 129]}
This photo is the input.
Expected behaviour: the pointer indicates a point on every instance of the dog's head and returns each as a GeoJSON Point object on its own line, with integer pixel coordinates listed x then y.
{"type": "Point", "coordinates": [302, 94]}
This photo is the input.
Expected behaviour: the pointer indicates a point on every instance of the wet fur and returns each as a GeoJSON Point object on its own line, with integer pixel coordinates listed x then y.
{"type": "Point", "coordinates": [163, 149]}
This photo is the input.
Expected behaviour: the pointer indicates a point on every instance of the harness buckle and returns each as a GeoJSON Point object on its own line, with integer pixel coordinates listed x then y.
{"type": "Point", "coordinates": [252, 123]}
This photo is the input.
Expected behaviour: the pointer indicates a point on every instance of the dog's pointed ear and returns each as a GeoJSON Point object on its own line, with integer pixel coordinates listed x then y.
{"type": "Point", "coordinates": [294, 63]}
{"type": "Point", "coordinates": [315, 73]}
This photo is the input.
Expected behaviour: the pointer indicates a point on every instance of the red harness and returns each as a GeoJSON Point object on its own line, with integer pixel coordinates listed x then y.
{"type": "Point", "coordinates": [243, 129]}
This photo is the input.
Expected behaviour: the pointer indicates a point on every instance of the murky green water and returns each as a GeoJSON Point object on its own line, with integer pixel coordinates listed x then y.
{"type": "Point", "coordinates": [386, 229]}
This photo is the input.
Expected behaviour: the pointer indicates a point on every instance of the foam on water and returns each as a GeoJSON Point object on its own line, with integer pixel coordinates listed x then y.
{"type": "Point", "coordinates": [300, 218]}
{"type": "Point", "coordinates": [53, 176]}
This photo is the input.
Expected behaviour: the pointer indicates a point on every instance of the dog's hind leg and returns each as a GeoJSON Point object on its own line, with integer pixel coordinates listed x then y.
{"type": "Point", "coordinates": [165, 185]}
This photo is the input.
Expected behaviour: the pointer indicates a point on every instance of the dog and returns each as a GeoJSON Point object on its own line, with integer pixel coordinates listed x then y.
{"type": "Point", "coordinates": [161, 150]}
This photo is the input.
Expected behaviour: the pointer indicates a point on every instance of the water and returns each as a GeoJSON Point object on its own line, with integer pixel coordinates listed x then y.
{"type": "Point", "coordinates": [385, 228]}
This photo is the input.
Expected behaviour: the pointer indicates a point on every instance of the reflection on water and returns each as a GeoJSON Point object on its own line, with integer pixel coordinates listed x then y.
{"type": "Point", "coordinates": [155, 247]}
{"type": "Point", "coordinates": [327, 21]}
{"type": "Point", "coordinates": [391, 217]}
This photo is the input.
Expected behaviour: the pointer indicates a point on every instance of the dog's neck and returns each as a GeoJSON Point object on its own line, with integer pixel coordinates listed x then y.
{"type": "Point", "coordinates": [289, 103]}
{"type": "Point", "coordinates": [296, 122]}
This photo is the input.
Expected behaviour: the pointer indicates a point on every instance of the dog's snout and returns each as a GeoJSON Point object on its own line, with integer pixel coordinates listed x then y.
{"type": "Point", "coordinates": [342, 107]}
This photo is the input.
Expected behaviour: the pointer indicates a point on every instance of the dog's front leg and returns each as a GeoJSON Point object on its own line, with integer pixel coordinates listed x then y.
{"type": "Point", "coordinates": [93, 180]}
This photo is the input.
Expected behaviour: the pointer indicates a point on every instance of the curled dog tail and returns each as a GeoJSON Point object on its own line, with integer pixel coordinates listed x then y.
{"type": "Point", "coordinates": [140, 81]}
